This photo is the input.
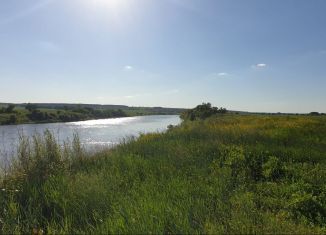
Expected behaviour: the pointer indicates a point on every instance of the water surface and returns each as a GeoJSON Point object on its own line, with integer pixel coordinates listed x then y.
{"type": "Point", "coordinates": [101, 132]}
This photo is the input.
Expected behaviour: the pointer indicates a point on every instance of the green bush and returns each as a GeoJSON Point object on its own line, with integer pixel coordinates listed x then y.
{"type": "Point", "coordinates": [201, 112]}
{"type": "Point", "coordinates": [308, 207]}
{"type": "Point", "coordinates": [273, 169]}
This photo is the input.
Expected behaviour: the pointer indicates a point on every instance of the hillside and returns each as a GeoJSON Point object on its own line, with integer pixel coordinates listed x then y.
{"type": "Point", "coordinates": [47, 113]}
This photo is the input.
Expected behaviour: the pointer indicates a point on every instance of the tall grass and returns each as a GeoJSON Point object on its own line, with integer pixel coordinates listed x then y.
{"type": "Point", "coordinates": [231, 174]}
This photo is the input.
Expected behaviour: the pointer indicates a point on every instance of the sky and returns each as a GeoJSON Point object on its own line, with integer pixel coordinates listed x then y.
{"type": "Point", "coordinates": [253, 55]}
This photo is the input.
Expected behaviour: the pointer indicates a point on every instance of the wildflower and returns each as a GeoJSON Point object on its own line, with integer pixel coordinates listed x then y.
{"type": "Point", "coordinates": [3, 189]}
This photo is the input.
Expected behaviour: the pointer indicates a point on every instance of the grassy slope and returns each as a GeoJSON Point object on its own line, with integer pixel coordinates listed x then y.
{"type": "Point", "coordinates": [61, 115]}
{"type": "Point", "coordinates": [232, 174]}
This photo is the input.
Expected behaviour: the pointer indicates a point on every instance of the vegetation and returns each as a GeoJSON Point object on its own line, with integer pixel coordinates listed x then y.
{"type": "Point", "coordinates": [225, 174]}
{"type": "Point", "coordinates": [202, 112]}
{"type": "Point", "coordinates": [45, 113]}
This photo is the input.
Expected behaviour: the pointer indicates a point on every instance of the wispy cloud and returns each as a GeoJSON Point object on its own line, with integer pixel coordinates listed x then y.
{"type": "Point", "coordinates": [128, 67]}
{"type": "Point", "coordinates": [130, 96]}
{"type": "Point", "coordinates": [223, 74]}
{"type": "Point", "coordinates": [259, 66]}
{"type": "Point", "coordinates": [220, 75]}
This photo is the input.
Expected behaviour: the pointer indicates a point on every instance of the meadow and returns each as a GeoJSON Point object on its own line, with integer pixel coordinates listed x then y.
{"type": "Point", "coordinates": [225, 174]}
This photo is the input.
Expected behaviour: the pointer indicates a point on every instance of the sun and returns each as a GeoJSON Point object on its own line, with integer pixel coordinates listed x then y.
{"type": "Point", "coordinates": [111, 4]}
{"type": "Point", "coordinates": [115, 12]}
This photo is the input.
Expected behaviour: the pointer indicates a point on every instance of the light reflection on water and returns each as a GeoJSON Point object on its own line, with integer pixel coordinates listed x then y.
{"type": "Point", "coordinates": [100, 123]}
{"type": "Point", "coordinates": [93, 133]}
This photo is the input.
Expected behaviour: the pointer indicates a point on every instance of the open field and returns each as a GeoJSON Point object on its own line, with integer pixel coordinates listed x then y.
{"type": "Point", "coordinates": [226, 174]}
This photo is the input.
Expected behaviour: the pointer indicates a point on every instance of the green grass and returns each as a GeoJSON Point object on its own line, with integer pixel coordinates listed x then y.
{"type": "Point", "coordinates": [227, 174]}
{"type": "Point", "coordinates": [44, 115]}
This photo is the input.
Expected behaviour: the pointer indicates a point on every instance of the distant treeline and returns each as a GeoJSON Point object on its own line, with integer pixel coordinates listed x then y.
{"type": "Point", "coordinates": [279, 113]}
{"type": "Point", "coordinates": [33, 114]}
{"type": "Point", "coordinates": [44, 113]}
{"type": "Point", "coordinates": [57, 112]}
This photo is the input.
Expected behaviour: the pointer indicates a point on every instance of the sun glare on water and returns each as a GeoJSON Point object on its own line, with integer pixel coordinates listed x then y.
{"type": "Point", "coordinates": [105, 122]}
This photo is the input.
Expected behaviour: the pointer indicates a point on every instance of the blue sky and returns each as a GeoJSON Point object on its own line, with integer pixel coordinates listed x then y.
{"type": "Point", "coordinates": [252, 55]}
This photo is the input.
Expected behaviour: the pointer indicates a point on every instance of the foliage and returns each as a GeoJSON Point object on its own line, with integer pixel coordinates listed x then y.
{"type": "Point", "coordinates": [232, 174]}
{"type": "Point", "coordinates": [10, 108]}
{"type": "Point", "coordinates": [314, 113]}
{"type": "Point", "coordinates": [12, 119]}
{"type": "Point", "coordinates": [30, 107]}
{"type": "Point", "coordinates": [202, 112]}
{"type": "Point", "coordinates": [34, 115]}
{"type": "Point", "coordinates": [42, 113]}
{"type": "Point", "coordinates": [273, 168]}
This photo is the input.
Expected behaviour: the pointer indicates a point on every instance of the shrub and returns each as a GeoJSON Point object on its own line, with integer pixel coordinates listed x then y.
{"type": "Point", "coordinates": [12, 119]}
{"type": "Point", "coordinates": [273, 168]}
{"type": "Point", "coordinates": [309, 207]}
{"type": "Point", "coordinates": [201, 112]}
{"type": "Point", "coordinates": [235, 159]}
{"type": "Point", "coordinates": [10, 108]}
{"type": "Point", "coordinates": [30, 107]}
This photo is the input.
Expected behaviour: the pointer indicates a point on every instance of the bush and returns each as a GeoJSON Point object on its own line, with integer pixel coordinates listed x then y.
{"type": "Point", "coordinates": [12, 119]}
{"type": "Point", "coordinates": [10, 108]}
{"type": "Point", "coordinates": [308, 207]}
{"type": "Point", "coordinates": [201, 112]}
{"type": "Point", "coordinates": [30, 107]}
{"type": "Point", "coordinates": [273, 168]}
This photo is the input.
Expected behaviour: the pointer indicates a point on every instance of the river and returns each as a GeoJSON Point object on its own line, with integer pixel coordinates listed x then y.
{"type": "Point", "coordinates": [93, 133]}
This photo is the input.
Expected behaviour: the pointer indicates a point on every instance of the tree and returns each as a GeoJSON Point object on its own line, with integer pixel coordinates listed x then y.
{"type": "Point", "coordinates": [12, 119]}
{"type": "Point", "coordinates": [31, 107]}
{"type": "Point", "coordinates": [202, 112]}
{"type": "Point", "coordinates": [10, 108]}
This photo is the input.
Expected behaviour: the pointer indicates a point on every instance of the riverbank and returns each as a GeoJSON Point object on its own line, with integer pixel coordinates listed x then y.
{"type": "Point", "coordinates": [93, 134]}
{"type": "Point", "coordinates": [226, 174]}
{"type": "Point", "coordinates": [12, 114]}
